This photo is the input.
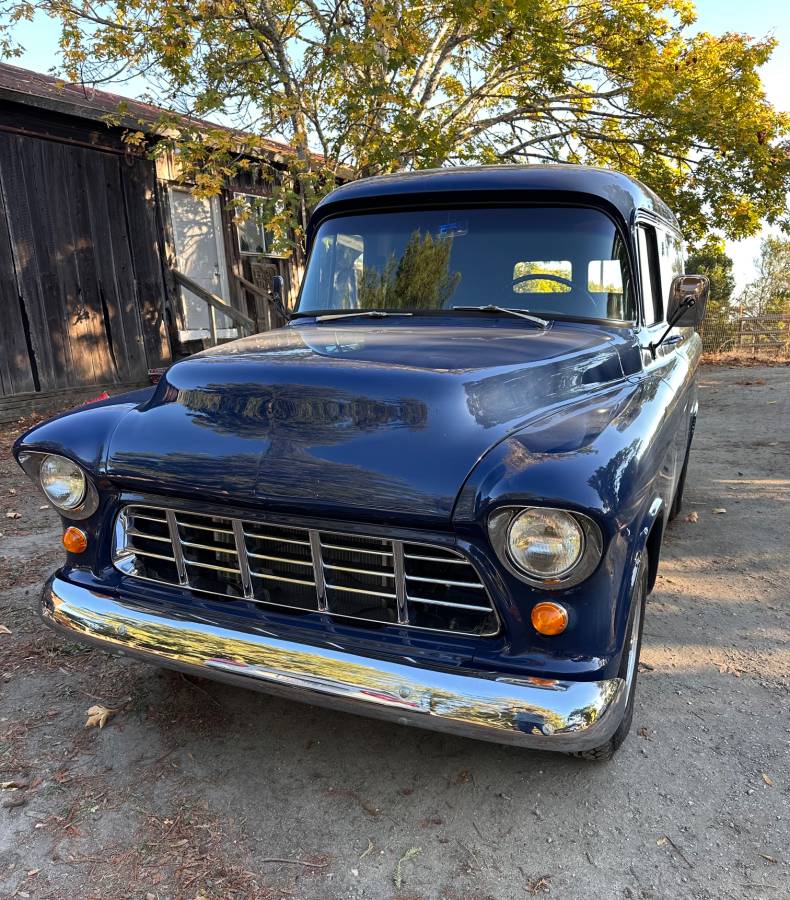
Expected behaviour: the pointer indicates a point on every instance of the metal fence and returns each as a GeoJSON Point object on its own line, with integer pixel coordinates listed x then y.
{"type": "Point", "coordinates": [747, 335]}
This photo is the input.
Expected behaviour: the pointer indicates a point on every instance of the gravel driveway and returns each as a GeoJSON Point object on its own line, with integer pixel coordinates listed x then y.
{"type": "Point", "coordinates": [195, 790]}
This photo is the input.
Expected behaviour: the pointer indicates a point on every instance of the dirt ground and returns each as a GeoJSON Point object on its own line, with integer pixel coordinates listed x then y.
{"type": "Point", "coordinates": [198, 790]}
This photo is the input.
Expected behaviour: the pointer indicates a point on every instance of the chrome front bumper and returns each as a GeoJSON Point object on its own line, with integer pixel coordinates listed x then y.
{"type": "Point", "coordinates": [550, 715]}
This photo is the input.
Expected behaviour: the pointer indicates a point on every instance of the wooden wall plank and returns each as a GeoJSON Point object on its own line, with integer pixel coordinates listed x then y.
{"type": "Point", "coordinates": [137, 177]}
{"type": "Point", "coordinates": [16, 365]}
{"type": "Point", "coordinates": [53, 236]}
{"type": "Point", "coordinates": [102, 186]}
{"type": "Point", "coordinates": [47, 347]}
{"type": "Point", "coordinates": [77, 236]}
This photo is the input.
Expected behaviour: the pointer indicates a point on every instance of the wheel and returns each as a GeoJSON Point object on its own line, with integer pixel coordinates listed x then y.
{"type": "Point", "coordinates": [629, 669]}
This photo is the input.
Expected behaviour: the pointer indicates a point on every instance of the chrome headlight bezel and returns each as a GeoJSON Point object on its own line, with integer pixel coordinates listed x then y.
{"type": "Point", "coordinates": [499, 524]}
{"type": "Point", "coordinates": [31, 461]}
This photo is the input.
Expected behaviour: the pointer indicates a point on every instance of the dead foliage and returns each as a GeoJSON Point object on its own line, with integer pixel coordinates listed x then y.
{"type": "Point", "coordinates": [745, 359]}
{"type": "Point", "coordinates": [181, 857]}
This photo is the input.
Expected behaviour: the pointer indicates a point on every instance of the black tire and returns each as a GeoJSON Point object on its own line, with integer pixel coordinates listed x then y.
{"type": "Point", "coordinates": [677, 502]}
{"type": "Point", "coordinates": [606, 751]}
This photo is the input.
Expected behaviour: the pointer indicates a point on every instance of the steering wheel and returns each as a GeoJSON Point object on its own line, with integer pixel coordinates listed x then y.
{"type": "Point", "coordinates": [545, 276]}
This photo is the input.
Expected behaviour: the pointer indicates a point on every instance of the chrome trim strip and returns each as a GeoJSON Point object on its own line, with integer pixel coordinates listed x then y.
{"type": "Point", "coordinates": [280, 540]}
{"type": "Point", "coordinates": [137, 552]}
{"type": "Point", "coordinates": [356, 550]}
{"type": "Point", "coordinates": [428, 602]}
{"type": "Point", "coordinates": [373, 572]}
{"type": "Point", "coordinates": [281, 578]}
{"type": "Point", "coordinates": [568, 716]}
{"type": "Point", "coordinates": [438, 559]}
{"type": "Point", "coordinates": [215, 548]}
{"type": "Point", "coordinates": [318, 570]}
{"type": "Point", "coordinates": [352, 590]}
{"type": "Point", "coordinates": [175, 541]}
{"type": "Point", "coordinates": [400, 582]}
{"type": "Point", "coordinates": [217, 530]}
{"type": "Point", "coordinates": [282, 559]}
{"type": "Point", "coordinates": [241, 553]}
{"type": "Point", "coordinates": [133, 532]}
{"type": "Point", "coordinates": [202, 565]}
{"type": "Point", "coordinates": [148, 518]}
{"type": "Point", "coordinates": [464, 584]}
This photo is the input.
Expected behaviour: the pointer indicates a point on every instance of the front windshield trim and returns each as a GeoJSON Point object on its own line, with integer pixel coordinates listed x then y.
{"type": "Point", "coordinates": [413, 204]}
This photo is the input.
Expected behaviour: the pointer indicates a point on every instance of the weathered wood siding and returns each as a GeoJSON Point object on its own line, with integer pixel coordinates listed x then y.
{"type": "Point", "coordinates": [81, 281]}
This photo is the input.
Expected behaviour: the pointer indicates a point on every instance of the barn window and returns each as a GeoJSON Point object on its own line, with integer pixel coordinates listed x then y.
{"type": "Point", "coordinates": [250, 211]}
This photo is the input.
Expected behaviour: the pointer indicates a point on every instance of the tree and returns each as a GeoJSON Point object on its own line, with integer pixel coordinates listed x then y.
{"type": "Point", "coordinates": [420, 279]}
{"type": "Point", "coordinates": [769, 293]}
{"type": "Point", "coordinates": [710, 259]}
{"type": "Point", "coordinates": [378, 85]}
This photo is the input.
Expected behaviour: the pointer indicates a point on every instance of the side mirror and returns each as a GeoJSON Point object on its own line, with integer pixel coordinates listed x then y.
{"type": "Point", "coordinates": [685, 288]}
{"type": "Point", "coordinates": [278, 292]}
{"type": "Point", "coordinates": [278, 288]}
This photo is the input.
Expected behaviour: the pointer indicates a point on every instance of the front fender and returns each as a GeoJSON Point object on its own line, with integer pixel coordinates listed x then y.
{"type": "Point", "coordinates": [82, 434]}
{"type": "Point", "coordinates": [604, 457]}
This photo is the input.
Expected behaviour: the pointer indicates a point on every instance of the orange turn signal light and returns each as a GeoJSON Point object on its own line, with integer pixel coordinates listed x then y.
{"type": "Point", "coordinates": [549, 618]}
{"type": "Point", "coordinates": [75, 540]}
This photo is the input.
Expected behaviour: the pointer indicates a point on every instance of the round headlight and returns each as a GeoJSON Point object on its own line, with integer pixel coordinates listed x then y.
{"type": "Point", "coordinates": [62, 481]}
{"type": "Point", "coordinates": [545, 543]}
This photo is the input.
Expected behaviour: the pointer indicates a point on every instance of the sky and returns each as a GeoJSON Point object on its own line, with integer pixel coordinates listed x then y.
{"type": "Point", "coordinates": [757, 18]}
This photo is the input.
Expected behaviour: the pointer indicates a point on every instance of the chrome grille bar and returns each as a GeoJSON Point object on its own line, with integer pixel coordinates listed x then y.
{"type": "Point", "coordinates": [381, 574]}
{"type": "Point", "coordinates": [371, 578]}
{"type": "Point", "coordinates": [400, 582]}
{"type": "Point", "coordinates": [244, 563]}
{"type": "Point", "coordinates": [318, 571]}
{"type": "Point", "coordinates": [356, 550]}
{"type": "Point", "coordinates": [354, 590]}
{"type": "Point", "coordinates": [464, 584]}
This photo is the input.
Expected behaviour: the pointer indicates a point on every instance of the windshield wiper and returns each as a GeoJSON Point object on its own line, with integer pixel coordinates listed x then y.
{"type": "Point", "coordinates": [536, 320]}
{"type": "Point", "coordinates": [371, 313]}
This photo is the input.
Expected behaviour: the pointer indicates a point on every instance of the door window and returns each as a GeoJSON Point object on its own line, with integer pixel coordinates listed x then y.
{"type": "Point", "coordinates": [648, 268]}
{"type": "Point", "coordinates": [670, 260]}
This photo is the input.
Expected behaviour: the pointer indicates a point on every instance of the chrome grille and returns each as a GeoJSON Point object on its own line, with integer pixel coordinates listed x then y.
{"type": "Point", "coordinates": [369, 579]}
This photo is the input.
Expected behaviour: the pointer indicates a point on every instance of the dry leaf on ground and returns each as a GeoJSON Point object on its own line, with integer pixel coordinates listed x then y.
{"type": "Point", "coordinates": [100, 715]}
{"type": "Point", "coordinates": [13, 515]}
{"type": "Point", "coordinates": [4, 629]}
{"type": "Point", "coordinates": [692, 517]}
{"type": "Point", "coordinates": [768, 780]}
{"type": "Point", "coordinates": [719, 511]}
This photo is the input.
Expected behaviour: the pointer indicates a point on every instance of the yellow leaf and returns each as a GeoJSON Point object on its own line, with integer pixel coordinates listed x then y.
{"type": "Point", "coordinates": [768, 780]}
{"type": "Point", "coordinates": [99, 715]}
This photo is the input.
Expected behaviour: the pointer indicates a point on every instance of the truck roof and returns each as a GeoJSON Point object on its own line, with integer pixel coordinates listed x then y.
{"type": "Point", "coordinates": [624, 194]}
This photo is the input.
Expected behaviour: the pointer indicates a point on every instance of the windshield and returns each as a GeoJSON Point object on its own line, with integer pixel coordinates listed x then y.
{"type": "Point", "coordinates": [552, 261]}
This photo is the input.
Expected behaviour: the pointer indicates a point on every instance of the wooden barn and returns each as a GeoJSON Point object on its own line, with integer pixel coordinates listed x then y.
{"type": "Point", "coordinates": [109, 266]}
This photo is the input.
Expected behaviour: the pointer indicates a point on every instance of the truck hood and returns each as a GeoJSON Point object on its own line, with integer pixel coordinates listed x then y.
{"type": "Point", "coordinates": [346, 420]}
